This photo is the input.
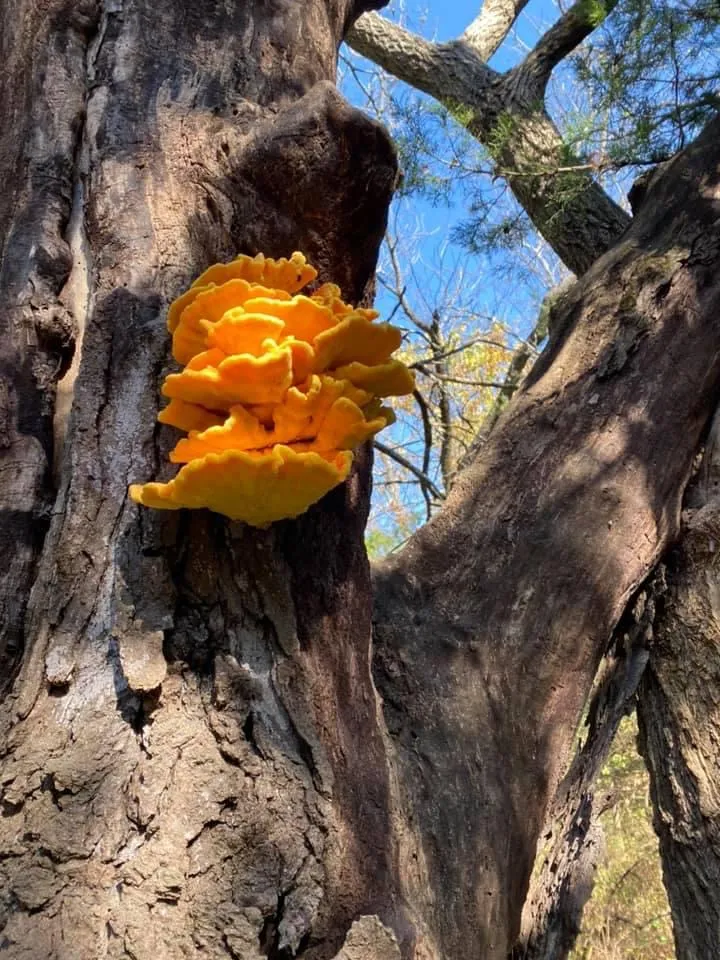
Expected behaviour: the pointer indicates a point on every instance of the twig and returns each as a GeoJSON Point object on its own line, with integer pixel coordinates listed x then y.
{"type": "Point", "coordinates": [425, 481]}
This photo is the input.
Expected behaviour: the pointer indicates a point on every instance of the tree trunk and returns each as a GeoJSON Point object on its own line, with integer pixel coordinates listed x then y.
{"type": "Point", "coordinates": [490, 624]}
{"type": "Point", "coordinates": [506, 114]}
{"type": "Point", "coordinates": [194, 760]}
{"type": "Point", "coordinates": [573, 841]}
{"type": "Point", "coordinates": [678, 713]}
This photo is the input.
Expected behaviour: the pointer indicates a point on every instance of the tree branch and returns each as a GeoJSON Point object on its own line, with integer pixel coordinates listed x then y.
{"type": "Point", "coordinates": [425, 481]}
{"type": "Point", "coordinates": [443, 377]}
{"type": "Point", "coordinates": [524, 352]}
{"type": "Point", "coordinates": [427, 429]}
{"type": "Point", "coordinates": [571, 211]}
{"type": "Point", "coordinates": [449, 72]}
{"type": "Point", "coordinates": [440, 372]}
{"type": "Point", "coordinates": [562, 38]}
{"type": "Point", "coordinates": [400, 289]}
{"type": "Point", "coordinates": [488, 30]}
{"type": "Point", "coordinates": [417, 364]}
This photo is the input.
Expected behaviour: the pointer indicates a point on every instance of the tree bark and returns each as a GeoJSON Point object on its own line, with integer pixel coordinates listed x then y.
{"type": "Point", "coordinates": [678, 714]}
{"type": "Point", "coordinates": [572, 843]}
{"type": "Point", "coordinates": [194, 760]}
{"type": "Point", "coordinates": [490, 624]}
{"type": "Point", "coordinates": [40, 114]}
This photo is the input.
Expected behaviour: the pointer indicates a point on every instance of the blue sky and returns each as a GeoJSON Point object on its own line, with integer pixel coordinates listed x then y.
{"type": "Point", "coordinates": [436, 220]}
{"type": "Point", "coordinates": [489, 286]}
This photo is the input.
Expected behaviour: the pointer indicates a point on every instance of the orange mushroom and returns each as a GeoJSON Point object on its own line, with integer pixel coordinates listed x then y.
{"type": "Point", "coordinates": [278, 388]}
{"type": "Point", "coordinates": [208, 306]}
{"type": "Point", "coordinates": [258, 488]}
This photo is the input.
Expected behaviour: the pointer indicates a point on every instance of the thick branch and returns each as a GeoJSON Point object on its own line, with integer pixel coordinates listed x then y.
{"type": "Point", "coordinates": [491, 622]}
{"type": "Point", "coordinates": [488, 30]}
{"type": "Point", "coordinates": [566, 205]}
{"type": "Point", "coordinates": [571, 211]}
{"type": "Point", "coordinates": [446, 71]}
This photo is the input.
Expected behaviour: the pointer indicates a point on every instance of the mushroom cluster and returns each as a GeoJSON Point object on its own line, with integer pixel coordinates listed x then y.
{"type": "Point", "coordinates": [277, 390]}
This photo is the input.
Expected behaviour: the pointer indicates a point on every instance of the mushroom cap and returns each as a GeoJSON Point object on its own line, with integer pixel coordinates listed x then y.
{"type": "Point", "coordinates": [277, 388]}
{"type": "Point", "coordinates": [257, 488]}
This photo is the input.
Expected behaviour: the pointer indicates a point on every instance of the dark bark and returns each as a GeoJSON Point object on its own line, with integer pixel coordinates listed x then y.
{"type": "Point", "coordinates": [40, 115]}
{"type": "Point", "coordinates": [572, 843]}
{"type": "Point", "coordinates": [490, 624]}
{"type": "Point", "coordinates": [678, 713]}
{"type": "Point", "coordinates": [192, 754]}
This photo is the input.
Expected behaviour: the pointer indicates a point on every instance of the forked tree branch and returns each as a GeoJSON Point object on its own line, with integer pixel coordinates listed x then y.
{"type": "Point", "coordinates": [567, 206]}
{"type": "Point", "coordinates": [488, 30]}
{"type": "Point", "coordinates": [574, 26]}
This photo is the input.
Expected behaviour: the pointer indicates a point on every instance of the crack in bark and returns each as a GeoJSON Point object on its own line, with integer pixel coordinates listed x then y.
{"type": "Point", "coordinates": [38, 334]}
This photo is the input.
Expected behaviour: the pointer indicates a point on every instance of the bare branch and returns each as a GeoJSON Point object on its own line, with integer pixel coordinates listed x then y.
{"type": "Point", "coordinates": [562, 38]}
{"type": "Point", "coordinates": [429, 372]}
{"type": "Point", "coordinates": [400, 288]}
{"type": "Point", "coordinates": [449, 72]}
{"type": "Point", "coordinates": [418, 364]}
{"type": "Point", "coordinates": [492, 25]}
{"type": "Point", "coordinates": [440, 370]}
{"type": "Point", "coordinates": [427, 428]}
{"type": "Point", "coordinates": [523, 353]}
{"type": "Point", "coordinates": [425, 481]}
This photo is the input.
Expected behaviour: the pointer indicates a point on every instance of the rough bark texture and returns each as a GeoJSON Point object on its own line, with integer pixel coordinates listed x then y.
{"type": "Point", "coordinates": [491, 622]}
{"type": "Point", "coordinates": [40, 115]}
{"type": "Point", "coordinates": [505, 112]}
{"type": "Point", "coordinates": [193, 761]}
{"type": "Point", "coordinates": [193, 757]}
{"type": "Point", "coordinates": [572, 843]}
{"type": "Point", "coordinates": [679, 713]}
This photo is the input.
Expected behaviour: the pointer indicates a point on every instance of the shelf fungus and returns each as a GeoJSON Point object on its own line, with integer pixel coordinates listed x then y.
{"type": "Point", "coordinates": [276, 391]}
